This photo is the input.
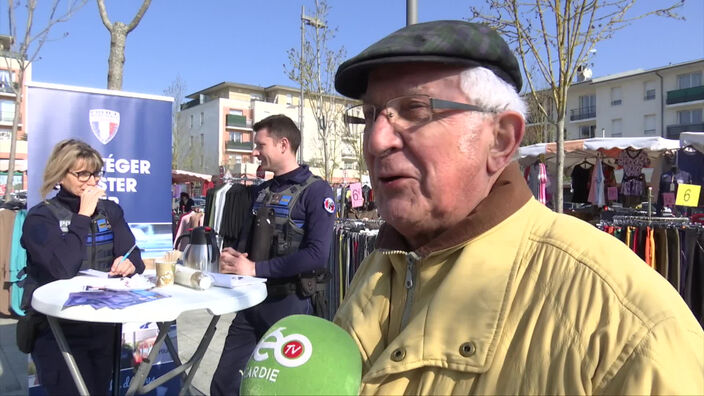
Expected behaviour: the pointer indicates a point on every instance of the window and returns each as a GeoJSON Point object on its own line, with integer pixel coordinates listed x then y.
{"type": "Point", "coordinates": [191, 141]}
{"type": "Point", "coordinates": [236, 137]}
{"type": "Point", "coordinates": [6, 81]}
{"type": "Point", "coordinates": [615, 96]}
{"type": "Point", "coordinates": [238, 159]}
{"type": "Point", "coordinates": [201, 160]}
{"type": "Point", "coordinates": [202, 117]}
{"type": "Point", "coordinates": [687, 117]}
{"type": "Point", "coordinates": [586, 131]}
{"type": "Point", "coordinates": [7, 110]}
{"type": "Point", "coordinates": [202, 140]}
{"type": "Point", "coordinates": [616, 127]}
{"type": "Point", "coordinates": [191, 122]}
{"type": "Point", "coordinates": [289, 99]}
{"type": "Point", "coordinates": [649, 90]}
{"type": "Point", "coordinates": [587, 101]}
{"type": "Point", "coordinates": [235, 112]}
{"type": "Point", "coordinates": [649, 124]}
{"type": "Point", "coordinates": [689, 80]}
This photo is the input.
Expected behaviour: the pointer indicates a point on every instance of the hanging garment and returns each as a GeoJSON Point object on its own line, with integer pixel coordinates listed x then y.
{"type": "Point", "coordinates": [580, 183]}
{"type": "Point", "coordinates": [18, 263]}
{"type": "Point", "coordinates": [661, 258]}
{"type": "Point", "coordinates": [596, 189]}
{"type": "Point", "coordinates": [7, 223]}
{"type": "Point", "coordinates": [633, 162]}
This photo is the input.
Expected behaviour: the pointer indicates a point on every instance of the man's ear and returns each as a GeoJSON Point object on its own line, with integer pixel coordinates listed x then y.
{"type": "Point", "coordinates": [509, 128]}
{"type": "Point", "coordinates": [285, 144]}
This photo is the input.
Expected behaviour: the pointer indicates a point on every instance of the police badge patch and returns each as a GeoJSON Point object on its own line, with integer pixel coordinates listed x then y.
{"type": "Point", "coordinates": [104, 124]}
{"type": "Point", "coordinates": [329, 205]}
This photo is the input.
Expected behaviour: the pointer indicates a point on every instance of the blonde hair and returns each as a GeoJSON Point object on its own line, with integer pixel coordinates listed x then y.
{"type": "Point", "coordinates": [63, 157]}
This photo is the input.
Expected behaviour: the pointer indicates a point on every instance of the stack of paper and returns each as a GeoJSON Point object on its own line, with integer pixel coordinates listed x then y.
{"type": "Point", "coordinates": [230, 281]}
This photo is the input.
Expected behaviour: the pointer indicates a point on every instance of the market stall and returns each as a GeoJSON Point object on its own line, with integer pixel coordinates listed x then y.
{"type": "Point", "coordinates": [628, 166]}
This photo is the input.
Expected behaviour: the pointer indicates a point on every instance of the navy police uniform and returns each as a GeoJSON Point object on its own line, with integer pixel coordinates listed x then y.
{"type": "Point", "coordinates": [59, 243]}
{"type": "Point", "coordinates": [313, 212]}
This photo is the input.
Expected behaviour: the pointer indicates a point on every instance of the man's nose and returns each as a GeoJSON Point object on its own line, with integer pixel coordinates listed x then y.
{"type": "Point", "coordinates": [382, 136]}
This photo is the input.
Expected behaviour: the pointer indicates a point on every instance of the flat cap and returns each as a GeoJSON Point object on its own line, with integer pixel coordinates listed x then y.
{"type": "Point", "coordinates": [447, 42]}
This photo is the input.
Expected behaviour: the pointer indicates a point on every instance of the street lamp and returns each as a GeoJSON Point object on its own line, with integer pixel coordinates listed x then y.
{"type": "Point", "coordinates": [317, 24]}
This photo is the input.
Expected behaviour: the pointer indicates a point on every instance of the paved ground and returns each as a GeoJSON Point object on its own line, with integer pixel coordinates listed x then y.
{"type": "Point", "coordinates": [190, 327]}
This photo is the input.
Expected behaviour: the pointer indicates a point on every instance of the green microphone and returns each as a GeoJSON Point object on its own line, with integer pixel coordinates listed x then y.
{"type": "Point", "coordinates": [303, 355]}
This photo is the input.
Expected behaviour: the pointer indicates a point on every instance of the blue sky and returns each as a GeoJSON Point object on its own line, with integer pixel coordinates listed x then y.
{"type": "Point", "coordinates": [210, 41]}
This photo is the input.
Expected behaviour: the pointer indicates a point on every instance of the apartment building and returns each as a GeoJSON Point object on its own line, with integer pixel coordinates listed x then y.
{"type": "Point", "coordinates": [8, 88]}
{"type": "Point", "coordinates": [664, 101]}
{"type": "Point", "coordinates": [214, 130]}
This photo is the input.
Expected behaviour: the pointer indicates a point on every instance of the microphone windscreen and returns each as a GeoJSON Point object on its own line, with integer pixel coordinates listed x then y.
{"type": "Point", "coordinates": [303, 355]}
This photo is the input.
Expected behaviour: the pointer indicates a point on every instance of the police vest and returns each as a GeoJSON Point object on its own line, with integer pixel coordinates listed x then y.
{"type": "Point", "coordinates": [286, 234]}
{"type": "Point", "coordinates": [99, 242]}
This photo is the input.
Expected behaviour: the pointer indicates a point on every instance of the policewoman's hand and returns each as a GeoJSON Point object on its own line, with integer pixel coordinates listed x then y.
{"type": "Point", "coordinates": [125, 268]}
{"type": "Point", "coordinates": [234, 262]}
{"type": "Point", "coordinates": [89, 200]}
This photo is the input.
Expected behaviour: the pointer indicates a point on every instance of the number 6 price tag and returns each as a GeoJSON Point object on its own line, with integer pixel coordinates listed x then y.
{"type": "Point", "coordinates": [688, 195]}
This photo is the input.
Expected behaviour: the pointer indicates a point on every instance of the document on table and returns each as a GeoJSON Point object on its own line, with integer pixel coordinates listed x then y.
{"type": "Point", "coordinates": [231, 281]}
{"type": "Point", "coordinates": [113, 299]}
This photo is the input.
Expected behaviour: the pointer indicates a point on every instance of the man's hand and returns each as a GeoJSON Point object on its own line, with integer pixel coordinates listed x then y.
{"type": "Point", "coordinates": [234, 262]}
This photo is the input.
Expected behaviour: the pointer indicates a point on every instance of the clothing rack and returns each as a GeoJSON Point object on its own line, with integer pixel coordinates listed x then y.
{"type": "Point", "coordinates": [649, 220]}
{"type": "Point", "coordinates": [359, 224]}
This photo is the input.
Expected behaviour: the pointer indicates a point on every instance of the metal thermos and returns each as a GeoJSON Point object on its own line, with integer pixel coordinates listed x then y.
{"type": "Point", "coordinates": [202, 251]}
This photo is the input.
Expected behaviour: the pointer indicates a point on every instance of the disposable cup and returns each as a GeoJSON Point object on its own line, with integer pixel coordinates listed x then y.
{"type": "Point", "coordinates": [165, 272]}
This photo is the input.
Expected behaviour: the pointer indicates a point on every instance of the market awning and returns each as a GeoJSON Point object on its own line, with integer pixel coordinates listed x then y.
{"type": "Point", "coordinates": [182, 176]}
{"type": "Point", "coordinates": [694, 139]}
{"type": "Point", "coordinates": [20, 165]}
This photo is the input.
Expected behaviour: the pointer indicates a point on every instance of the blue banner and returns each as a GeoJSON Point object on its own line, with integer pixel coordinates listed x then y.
{"type": "Point", "coordinates": [131, 131]}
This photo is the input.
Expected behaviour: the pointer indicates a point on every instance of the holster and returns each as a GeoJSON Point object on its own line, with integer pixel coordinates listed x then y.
{"type": "Point", "coordinates": [28, 328]}
{"type": "Point", "coordinates": [315, 285]}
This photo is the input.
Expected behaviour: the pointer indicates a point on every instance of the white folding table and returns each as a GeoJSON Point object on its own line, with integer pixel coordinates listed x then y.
{"type": "Point", "coordinates": [49, 300]}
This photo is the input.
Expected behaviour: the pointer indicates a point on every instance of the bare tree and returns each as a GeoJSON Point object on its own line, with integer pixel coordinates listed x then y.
{"type": "Point", "coordinates": [118, 38]}
{"type": "Point", "coordinates": [177, 90]}
{"type": "Point", "coordinates": [314, 69]}
{"type": "Point", "coordinates": [24, 50]}
{"type": "Point", "coordinates": [540, 127]}
{"type": "Point", "coordinates": [552, 39]}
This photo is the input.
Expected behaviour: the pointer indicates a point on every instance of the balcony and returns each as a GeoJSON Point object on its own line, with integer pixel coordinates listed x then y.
{"type": "Point", "coordinates": [685, 95]}
{"type": "Point", "coordinates": [237, 121]}
{"type": "Point", "coordinates": [6, 88]}
{"type": "Point", "coordinates": [673, 131]}
{"type": "Point", "coordinates": [583, 113]}
{"type": "Point", "coordinates": [239, 146]}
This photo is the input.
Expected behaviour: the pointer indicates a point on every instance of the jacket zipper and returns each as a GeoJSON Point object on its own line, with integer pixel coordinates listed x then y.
{"type": "Point", "coordinates": [92, 244]}
{"type": "Point", "coordinates": [411, 259]}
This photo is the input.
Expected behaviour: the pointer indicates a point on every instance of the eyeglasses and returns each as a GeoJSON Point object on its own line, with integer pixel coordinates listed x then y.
{"type": "Point", "coordinates": [404, 112]}
{"type": "Point", "coordinates": [84, 176]}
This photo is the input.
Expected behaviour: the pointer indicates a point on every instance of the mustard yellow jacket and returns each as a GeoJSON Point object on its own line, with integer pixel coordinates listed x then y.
{"type": "Point", "coordinates": [519, 300]}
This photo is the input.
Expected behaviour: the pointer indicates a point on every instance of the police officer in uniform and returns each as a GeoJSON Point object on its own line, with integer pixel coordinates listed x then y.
{"type": "Point", "coordinates": [73, 231]}
{"type": "Point", "coordinates": [288, 243]}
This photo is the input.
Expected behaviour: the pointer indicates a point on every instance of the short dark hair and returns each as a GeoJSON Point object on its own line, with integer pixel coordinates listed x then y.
{"type": "Point", "coordinates": [280, 126]}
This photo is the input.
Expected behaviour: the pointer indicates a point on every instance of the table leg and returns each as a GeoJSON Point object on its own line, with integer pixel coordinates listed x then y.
{"type": "Point", "coordinates": [137, 384]}
{"type": "Point", "coordinates": [195, 360]}
{"type": "Point", "coordinates": [138, 380]}
{"type": "Point", "coordinates": [66, 352]}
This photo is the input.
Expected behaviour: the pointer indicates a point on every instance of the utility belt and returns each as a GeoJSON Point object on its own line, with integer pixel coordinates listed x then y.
{"type": "Point", "coordinates": [312, 284]}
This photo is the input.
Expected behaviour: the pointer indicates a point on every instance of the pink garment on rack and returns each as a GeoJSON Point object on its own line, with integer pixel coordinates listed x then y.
{"type": "Point", "coordinates": [183, 225]}
{"type": "Point", "coordinates": [543, 179]}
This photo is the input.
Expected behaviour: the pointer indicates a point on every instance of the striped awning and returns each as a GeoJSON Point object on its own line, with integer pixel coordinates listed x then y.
{"type": "Point", "coordinates": [20, 165]}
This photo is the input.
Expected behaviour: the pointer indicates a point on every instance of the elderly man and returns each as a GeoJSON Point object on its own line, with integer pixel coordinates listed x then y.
{"type": "Point", "coordinates": [475, 287]}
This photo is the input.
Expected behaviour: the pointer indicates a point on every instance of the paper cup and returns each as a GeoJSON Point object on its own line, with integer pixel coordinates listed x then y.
{"type": "Point", "coordinates": [164, 273]}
